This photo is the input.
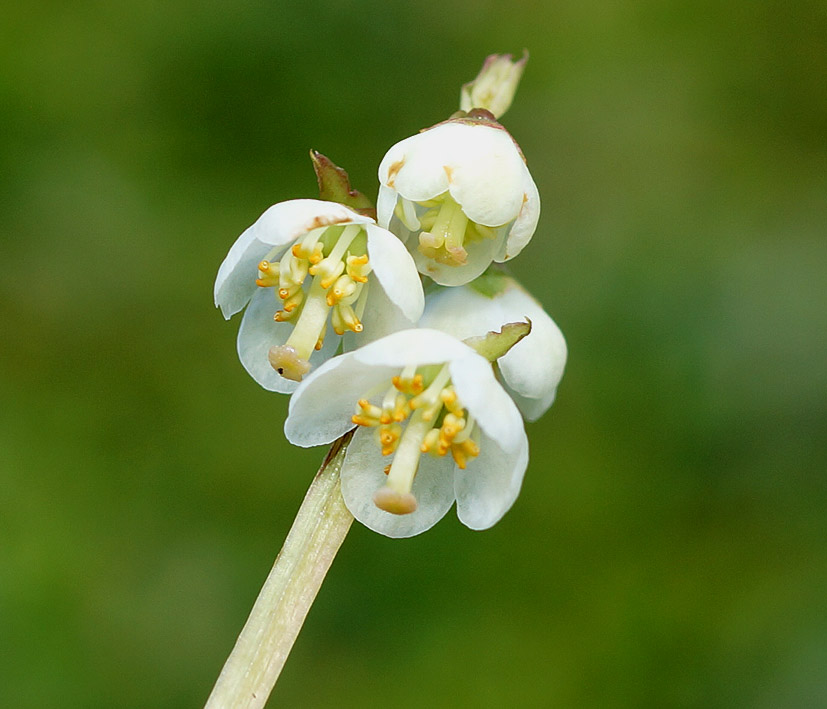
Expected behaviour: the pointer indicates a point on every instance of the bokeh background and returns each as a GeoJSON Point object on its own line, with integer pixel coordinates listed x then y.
{"type": "Point", "coordinates": [668, 549]}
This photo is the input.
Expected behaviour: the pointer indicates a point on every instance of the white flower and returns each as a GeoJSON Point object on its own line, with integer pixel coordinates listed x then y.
{"type": "Point", "coordinates": [306, 267]}
{"type": "Point", "coordinates": [460, 196]}
{"type": "Point", "coordinates": [416, 396]}
{"type": "Point", "coordinates": [532, 369]}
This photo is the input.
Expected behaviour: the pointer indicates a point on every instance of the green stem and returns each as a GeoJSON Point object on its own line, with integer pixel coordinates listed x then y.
{"type": "Point", "coordinates": [265, 642]}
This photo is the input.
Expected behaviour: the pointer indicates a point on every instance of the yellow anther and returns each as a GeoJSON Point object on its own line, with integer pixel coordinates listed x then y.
{"type": "Point", "coordinates": [387, 469]}
{"type": "Point", "coordinates": [358, 268]}
{"type": "Point", "coordinates": [409, 385]}
{"type": "Point", "coordinates": [308, 246]}
{"type": "Point", "coordinates": [317, 254]}
{"type": "Point", "coordinates": [348, 317]}
{"type": "Point", "coordinates": [328, 270]}
{"type": "Point", "coordinates": [459, 457]}
{"type": "Point", "coordinates": [449, 398]}
{"type": "Point", "coordinates": [268, 275]}
{"type": "Point", "coordinates": [451, 426]}
{"type": "Point", "coordinates": [389, 437]}
{"type": "Point", "coordinates": [461, 452]}
{"type": "Point", "coordinates": [285, 293]}
{"type": "Point", "coordinates": [344, 287]}
{"type": "Point", "coordinates": [400, 409]}
{"type": "Point", "coordinates": [362, 420]}
{"type": "Point", "coordinates": [430, 441]}
{"type": "Point", "coordinates": [293, 302]}
{"type": "Point", "coordinates": [370, 410]}
{"type": "Point", "coordinates": [282, 316]}
{"type": "Point", "coordinates": [336, 321]}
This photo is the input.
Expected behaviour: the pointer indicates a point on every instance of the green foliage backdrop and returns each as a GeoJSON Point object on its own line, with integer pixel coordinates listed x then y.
{"type": "Point", "coordinates": [668, 549]}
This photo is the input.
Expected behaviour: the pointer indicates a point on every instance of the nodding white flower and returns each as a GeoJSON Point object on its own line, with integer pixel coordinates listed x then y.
{"type": "Point", "coordinates": [434, 426]}
{"type": "Point", "coordinates": [531, 369]}
{"type": "Point", "coordinates": [307, 267]}
{"type": "Point", "coordinates": [460, 196]}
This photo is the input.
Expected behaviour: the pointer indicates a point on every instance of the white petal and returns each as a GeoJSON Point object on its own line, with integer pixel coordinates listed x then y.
{"type": "Point", "coordinates": [413, 167]}
{"type": "Point", "coordinates": [362, 475]}
{"type": "Point", "coordinates": [381, 318]}
{"type": "Point", "coordinates": [480, 255]}
{"type": "Point", "coordinates": [259, 332]}
{"type": "Point", "coordinates": [532, 409]}
{"type": "Point", "coordinates": [413, 348]}
{"type": "Point", "coordinates": [285, 222]}
{"type": "Point", "coordinates": [396, 272]}
{"type": "Point", "coordinates": [479, 392]}
{"type": "Point", "coordinates": [385, 204]}
{"type": "Point", "coordinates": [320, 410]}
{"type": "Point", "coordinates": [487, 177]}
{"type": "Point", "coordinates": [532, 369]}
{"type": "Point", "coordinates": [524, 226]}
{"type": "Point", "coordinates": [463, 311]}
{"type": "Point", "coordinates": [280, 225]}
{"type": "Point", "coordinates": [479, 165]}
{"type": "Point", "coordinates": [236, 279]}
{"type": "Point", "coordinates": [490, 484]}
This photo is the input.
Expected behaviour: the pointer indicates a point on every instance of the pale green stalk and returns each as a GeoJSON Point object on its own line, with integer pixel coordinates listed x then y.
{"type": "Point", "coordinates": [262, 648]}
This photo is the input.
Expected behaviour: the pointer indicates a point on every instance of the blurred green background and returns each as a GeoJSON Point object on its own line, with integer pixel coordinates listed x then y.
{"type": "Point", "coordinates": [668, 549]}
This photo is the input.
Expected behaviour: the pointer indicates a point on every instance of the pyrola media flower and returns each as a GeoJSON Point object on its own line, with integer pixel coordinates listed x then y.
{"type": "Point", "coordinates": [532, 369]}
{"type": "Point", "coordinates": [434, 426]}
{"type": "Point", "coordinates": [460, 196]}
{"type": "Point", "coordinates": [306, 267]}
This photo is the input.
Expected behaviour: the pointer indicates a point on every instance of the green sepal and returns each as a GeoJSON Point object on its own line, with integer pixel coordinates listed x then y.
{"type": "Point", "coordinates": [492, 282]}
{"type": "Point", "coordinates": [334, 186]}
{"type": "Point", "coordinates": [494, 345]}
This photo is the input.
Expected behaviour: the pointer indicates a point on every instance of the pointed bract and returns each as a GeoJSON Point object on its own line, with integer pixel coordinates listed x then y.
{"type": "Point", "coordinates": [533, 368]}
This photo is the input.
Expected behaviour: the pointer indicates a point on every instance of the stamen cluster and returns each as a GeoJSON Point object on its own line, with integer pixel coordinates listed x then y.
{"type": "Point", "coordinates": [444, 229]}
{"type": "Point", "coordinates": [335, 264]}
{"type": "Point", "coordinates": [451, 426]}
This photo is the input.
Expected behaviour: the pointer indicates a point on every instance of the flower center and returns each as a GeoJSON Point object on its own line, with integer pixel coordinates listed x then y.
{"type": "Point", "coordinates": [437, 424]}
{"type": "Point", "coordinates": [444, 229]}
{"type": "Point", "coordinates": [324, 273]}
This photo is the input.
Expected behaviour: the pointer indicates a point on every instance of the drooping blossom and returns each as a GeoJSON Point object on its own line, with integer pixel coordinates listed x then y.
{"type": "Point", "coordinates": [433, 427]}
{"type": "Point", "coordinates": [309, 273]}
{"type": "Point", "coordinates": [460, 196]}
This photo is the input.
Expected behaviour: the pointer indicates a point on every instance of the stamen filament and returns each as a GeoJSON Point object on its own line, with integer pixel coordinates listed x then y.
{"type": "Point", "coordinates": [406, 212]}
